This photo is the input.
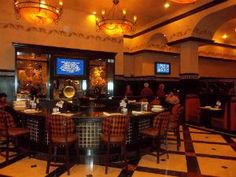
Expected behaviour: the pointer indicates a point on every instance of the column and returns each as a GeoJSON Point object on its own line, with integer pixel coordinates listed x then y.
{"type": "Point", "coordinates": [189, 72]}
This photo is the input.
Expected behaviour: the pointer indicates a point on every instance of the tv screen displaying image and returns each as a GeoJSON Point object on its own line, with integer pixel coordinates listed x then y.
{"type": "Point", "coordinates": [70, 67]}
{"type": "Point", "coordinates": [162, 68]}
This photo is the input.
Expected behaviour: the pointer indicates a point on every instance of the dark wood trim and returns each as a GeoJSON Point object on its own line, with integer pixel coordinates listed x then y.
{"type": "Point", "coordinates": [217, 78]}
{"type": "Point", "coordinates": [186, 14]}
{"type": "Point", "coordinates": [7, 73]}
{"type": "Point", "coordinates": [7, 70]}
{"type": "Point", "coordinates": [62, 51]}
{"type": "Point", "coordinates": [217, 59]}
{"type": "Point", "coordinates": [195, 39]}
{"type": "Point", "coordinates": [175, 78]}
{"type": "Point", "coordinates": [153, 77]}
{"type": "Point", "coordinates": [225, 45]}
{"type": "Point", "coordinates": [150, 51]}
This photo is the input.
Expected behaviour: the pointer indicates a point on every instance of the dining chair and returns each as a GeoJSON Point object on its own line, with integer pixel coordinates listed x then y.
{"type": "Point", "coordinates": [174, 124]}
{"type": "Point", "coordinates": [158, 133]}
{"type": "Point", "coordinates": [61, 132]}
{"type": "Point", "coordinates": [114, 132]}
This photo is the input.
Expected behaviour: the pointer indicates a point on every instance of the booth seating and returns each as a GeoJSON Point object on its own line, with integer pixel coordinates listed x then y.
{"type": "Point", "coordinates": [192, 108]}
{"type": "Point", "coordinates": [158, 132]}
{"type": "Point", "coordinates": [233, 114]}
{"type": "Point", "coordinates": [114, 131]}
{"type": "Point", "coordinates": [10, 133]}
{"type": "Point", "coordinates": [61, 132]}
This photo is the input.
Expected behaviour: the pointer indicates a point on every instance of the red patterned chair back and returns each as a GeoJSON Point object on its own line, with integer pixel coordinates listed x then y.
{"type": "Point", "coordinates": [161, 121]}
{"type": "Point", "coordinates": [115, 125]}
{"type": "Point", "coordinates": [60, 126]}
{"type": "Point", "coordinates": [6, 120]}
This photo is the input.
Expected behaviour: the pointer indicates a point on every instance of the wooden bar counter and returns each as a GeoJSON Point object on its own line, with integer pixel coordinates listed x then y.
{"type": "Point", "coordinates": [88, 127]}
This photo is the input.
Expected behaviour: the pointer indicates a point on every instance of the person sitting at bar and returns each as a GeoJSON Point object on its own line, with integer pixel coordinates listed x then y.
{"type": "Point", "coordinates": [146, 92]}
{"type": "Point", "coordinates": [128, 91]}
{"type": "Point", "coordinates": [161, 93]}
{"type": "Point", "coordinates": [6, 107]}
{"type": "Point", "coordinates": [232, 91]}
{"type": "Point", "coordinates": [172, 98]}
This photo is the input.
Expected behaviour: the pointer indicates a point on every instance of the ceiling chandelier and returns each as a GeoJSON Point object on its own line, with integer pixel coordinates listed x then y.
{"type": "Point", "coordinates": [41, 12]}
{"type": "Point", "coordinates": [114, 23]}
{"type": "Point", "coordinates": [184, 1]}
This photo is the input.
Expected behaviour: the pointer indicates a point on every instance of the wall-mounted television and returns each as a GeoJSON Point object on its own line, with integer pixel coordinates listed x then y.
{"type": "Point", "coordinates": [162, 68]}
{"type": "Point", "coordinates": [70, 67]}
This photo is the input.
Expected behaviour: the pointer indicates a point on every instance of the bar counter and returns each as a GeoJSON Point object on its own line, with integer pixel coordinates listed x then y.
{"type": "Point", "coordinates": [88, 128]}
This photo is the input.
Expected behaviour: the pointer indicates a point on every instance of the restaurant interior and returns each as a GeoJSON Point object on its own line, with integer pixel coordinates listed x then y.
{"type": "Point", "coordinates": [118, 88]}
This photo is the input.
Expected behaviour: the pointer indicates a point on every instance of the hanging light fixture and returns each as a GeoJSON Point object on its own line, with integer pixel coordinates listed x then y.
{"type": "Point", "coordinates": [114, 23]}
{"type": "Point", "coordinates": [184, 1]}
{"type": "Point", "coordinates": [41, 12]}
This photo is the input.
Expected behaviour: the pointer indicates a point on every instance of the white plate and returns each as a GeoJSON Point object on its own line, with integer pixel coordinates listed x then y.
{"type": "Point", "coordinates": [157, 106]}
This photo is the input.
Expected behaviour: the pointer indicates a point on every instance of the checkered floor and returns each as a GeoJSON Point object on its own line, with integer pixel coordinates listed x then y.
{"type": "Point", "coordinates": [202, 153]}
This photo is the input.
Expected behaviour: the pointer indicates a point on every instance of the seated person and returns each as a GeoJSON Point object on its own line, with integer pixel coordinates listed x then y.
{"type": "Point", "coordinates": [161, 92]}
{"type": "Point", "coordinates": [6, 107]}
{"type": "Point", "coordinates": [128, 91]}
{"type": "Point", "coordinates": [155, 101]}
{"type": "Point", "coordinates": [172, 99]}
{"type": "Point", "coordinates": [146, 91]}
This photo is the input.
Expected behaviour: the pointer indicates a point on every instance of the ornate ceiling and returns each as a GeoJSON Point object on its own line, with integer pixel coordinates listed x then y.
{"type": "Point", "coordinates": [226, 33]}
{"type": "Point", "coordinates": [152, 12]}
{"type": "Point", "coordinates": [147, 11]}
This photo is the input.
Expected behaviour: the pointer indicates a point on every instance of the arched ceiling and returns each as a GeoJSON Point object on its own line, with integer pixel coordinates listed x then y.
{"type": "Point", "coordinates": [147, 11]}
{"type": "Point", "coordinates": [226, 33]}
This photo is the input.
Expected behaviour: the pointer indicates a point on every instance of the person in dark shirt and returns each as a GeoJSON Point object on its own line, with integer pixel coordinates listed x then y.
{"type": "Point", "coordinates": [146, 91]}
{"type": "Point", "coordinates": [161, 93]}
{"type": "Point", "coordinates": [6, 107]}
{"type": "Point", "coordinates": [128, 91]}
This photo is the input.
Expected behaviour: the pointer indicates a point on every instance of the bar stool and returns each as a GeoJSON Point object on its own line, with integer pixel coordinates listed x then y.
{"type": "Point", "coordinates": [114, 131]}
{"type": "Point", "coordinates": [10, 133]}
{"type": "Point", "coordinates": [61, 132]}
{"type": "Point", "coordinates": [176, 113]}
{"type": "Point", "coordinates": [158, 132]}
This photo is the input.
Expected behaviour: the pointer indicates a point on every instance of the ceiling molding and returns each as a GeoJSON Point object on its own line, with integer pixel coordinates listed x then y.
{"type": "Point", "coordinates": [178, 17]}
{"type": "Point", "coordinates": [176, 54]}
{"type": "Point", "coordinates": [195, 39]}
{"type": "Point", "coordinates": [225, 45]}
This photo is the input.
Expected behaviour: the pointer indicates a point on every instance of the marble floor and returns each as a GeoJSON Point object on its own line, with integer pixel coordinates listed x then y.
{"type": "Point", "coordinates": [202, 153]}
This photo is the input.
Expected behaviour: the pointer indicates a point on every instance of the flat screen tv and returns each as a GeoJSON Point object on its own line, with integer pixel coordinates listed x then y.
{"type": "Point", "coordinates": [162, 68]}
{"type": "Point", "coordinates": [70, 67]}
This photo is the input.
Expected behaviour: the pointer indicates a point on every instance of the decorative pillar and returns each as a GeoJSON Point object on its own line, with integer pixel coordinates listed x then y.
{"type": "Point", "coordinates": [189, 67]}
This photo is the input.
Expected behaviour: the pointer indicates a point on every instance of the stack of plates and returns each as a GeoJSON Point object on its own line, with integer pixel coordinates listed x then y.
{"type": "Point", "coordinates": [157, 108]}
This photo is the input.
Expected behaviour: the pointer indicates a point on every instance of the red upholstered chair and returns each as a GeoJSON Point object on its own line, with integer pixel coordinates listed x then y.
{"type": "Point", "coordinates": [192, 108]}
{"type": "Point", "coordinates": [10, 133]}
{"type": "Point", "coordinates": [158, 131]}
{"type": "Point", "coordinates": [61, 132]}
{"type": "Point", "coordinates": [233, 114]}
{"type": "Point", "coordinates": [114, 131]}
{"type": "Point", "coordinates": [176, 114]}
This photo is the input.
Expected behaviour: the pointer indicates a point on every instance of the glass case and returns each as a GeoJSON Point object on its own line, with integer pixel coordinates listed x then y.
{"type": "Point", "coordinates": [32, 75]}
